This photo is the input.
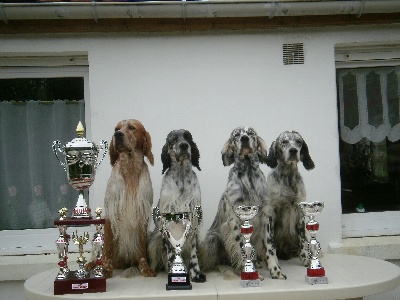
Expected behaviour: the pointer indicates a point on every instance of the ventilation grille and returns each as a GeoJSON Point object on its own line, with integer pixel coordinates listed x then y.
{"type": "Point", "coordinates": [293, 54]}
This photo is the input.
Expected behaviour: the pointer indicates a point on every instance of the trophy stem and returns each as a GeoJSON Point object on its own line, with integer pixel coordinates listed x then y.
{"type": "Point", "coordinates": [81, 210]}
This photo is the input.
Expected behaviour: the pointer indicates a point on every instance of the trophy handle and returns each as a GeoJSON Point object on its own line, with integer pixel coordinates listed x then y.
{"type": "Point", "coordinates": [103, 146]}
{"type": "Point", "coordinates": [57, 146]}
{"type": "Point", "coordinates": [156, 217]}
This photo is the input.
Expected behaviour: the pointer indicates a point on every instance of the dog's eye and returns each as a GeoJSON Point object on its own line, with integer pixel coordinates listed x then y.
{"type": "Point", "coordinates": [172, 141]}
{"type": "Point", "coordinates": [299, 142]}
{"type": "Point", "coordinates": [285, 142]}
{"type": "Point", "coordinates": [131, 127]}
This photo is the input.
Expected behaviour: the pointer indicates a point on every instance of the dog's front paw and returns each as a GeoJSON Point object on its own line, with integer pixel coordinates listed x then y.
{"type": "Point", "coordinates": [145, 269]}
{"type": "Point", "coordinates": [200, 278]}
{"type": "Point", "coordinates": [276, 273]}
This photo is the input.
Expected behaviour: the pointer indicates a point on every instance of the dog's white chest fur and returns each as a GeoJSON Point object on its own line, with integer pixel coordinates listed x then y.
{"type": "Point", "coordinates": [180, 192]}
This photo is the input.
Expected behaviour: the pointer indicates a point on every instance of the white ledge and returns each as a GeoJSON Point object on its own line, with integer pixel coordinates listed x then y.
{"type": "Point", "coordinates": [382, 247]}
{"type": "Point", "coordinates": [21, 267]}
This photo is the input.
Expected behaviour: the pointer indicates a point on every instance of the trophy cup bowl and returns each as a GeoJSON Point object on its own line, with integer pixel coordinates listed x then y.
{"type": "Point", "coordinates": [176, 228]}
{"type": "Point", "coordinates": [315, 271]}
{"type": "Point", "coordinates": [249, 277]}
{"type": "Point", "coordinates": [311, 209]}
{"type": "Point", "coordinates": [80, 163]}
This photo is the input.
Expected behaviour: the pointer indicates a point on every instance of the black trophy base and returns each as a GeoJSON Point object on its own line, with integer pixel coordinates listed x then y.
{"type": "Point", "coordinates": [178, 281]}
{"type": "Point", "coordinates": [74, 285]}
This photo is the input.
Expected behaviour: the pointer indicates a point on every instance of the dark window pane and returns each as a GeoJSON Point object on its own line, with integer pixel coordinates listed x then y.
{"type": "Point", "coordinates": [350, 101]}
{"type": "Point", "coordinates": [393, 98]}
{"type": "Point", "coordinates": [44, 89]}
{"type": "Point", "coordinates": [374, 100]}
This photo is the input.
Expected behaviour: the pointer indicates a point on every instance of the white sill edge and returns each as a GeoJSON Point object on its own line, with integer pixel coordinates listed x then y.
{"type": "Point", "coordinates": [381, 247]}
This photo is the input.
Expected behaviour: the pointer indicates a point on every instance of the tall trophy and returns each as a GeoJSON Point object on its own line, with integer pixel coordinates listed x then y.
{"type": "Point", "coordinates": [176, 228]}
{"type": "Point", "coordinates": [79, 281]}
{"type": "Point", "coordinates": [249, 277]}
{"type": "Point", "coordinates": [315, 271]}
{"type": "Point", "coordinates": [81, 164]}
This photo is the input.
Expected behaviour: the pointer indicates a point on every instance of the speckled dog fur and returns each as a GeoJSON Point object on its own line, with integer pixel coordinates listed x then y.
{"type": "Point", "coordinates": [246, 186]}
{"type": "Point", "coordinates": [180, 192]}
{"type": "Point", "coordinates": [285, 190]}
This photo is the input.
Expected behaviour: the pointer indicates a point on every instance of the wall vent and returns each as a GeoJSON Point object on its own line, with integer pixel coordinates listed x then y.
{"type": "Point", "coordinates": [293, 54]}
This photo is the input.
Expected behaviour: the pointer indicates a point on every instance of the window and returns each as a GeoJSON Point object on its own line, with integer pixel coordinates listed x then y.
{"type": "Point", "coordinates": [42, 98]}
{"type": "Point", "coordinates": [368, 82]}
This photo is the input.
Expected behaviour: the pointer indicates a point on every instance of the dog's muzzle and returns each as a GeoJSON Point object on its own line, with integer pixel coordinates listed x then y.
{"type": "Point", "coordinates": [119, 141]}
{"type": "Point", "coordinates": [183, 151]}
{"type": "Point", "coordinates": [245, 148]}
{"type": "Point", "coordinates": [293, 154]}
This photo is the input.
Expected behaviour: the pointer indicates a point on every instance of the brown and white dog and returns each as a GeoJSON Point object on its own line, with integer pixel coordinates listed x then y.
{"type": "Point", "coordinates": [286, 189]}
{"type": "Point", "coordinates": [128, 199]}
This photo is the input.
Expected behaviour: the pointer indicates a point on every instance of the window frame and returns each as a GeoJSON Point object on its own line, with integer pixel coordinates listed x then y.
{"type": "Point", "coordinates": [54, 65]}
{"type": "Point", "coordinates": [349, 57]}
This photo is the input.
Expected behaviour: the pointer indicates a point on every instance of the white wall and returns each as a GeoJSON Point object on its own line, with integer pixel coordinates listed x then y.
{"type": "Point", "coordinates": [210, 83]}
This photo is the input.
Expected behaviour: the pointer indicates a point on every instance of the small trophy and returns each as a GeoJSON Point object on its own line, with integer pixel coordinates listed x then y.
{"type": "Point", "coordinates": [176, 227]}
{"type": "Point", "coordinates": [315, 271]}
{"type": "Point", "coordinates": [62, 247]}
{"type": "Point", "coordinates": [98, 245]}
{"type": "Point", "coordinates": [80, 165]}
{"type": "Point", "coordinates": [249, 277]}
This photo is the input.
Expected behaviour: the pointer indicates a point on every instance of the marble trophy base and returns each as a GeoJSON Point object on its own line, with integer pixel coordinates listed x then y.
{"type": "Point", "coordinates": [316, 280]}
{"type": "Point", "coordinates": [250, 279]}
{"type": "Point", "coordinates": [316, 276]}
{"type": "Point", "coordinates": [178, 281]}
{"type": "Point", "coordinates": [75, 285]}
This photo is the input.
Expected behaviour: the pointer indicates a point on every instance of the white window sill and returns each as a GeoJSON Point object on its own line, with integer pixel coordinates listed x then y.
{"type": "Point", "coordinates": [382, 247]}
{"type": "Point", "coordinates": [22, 267]}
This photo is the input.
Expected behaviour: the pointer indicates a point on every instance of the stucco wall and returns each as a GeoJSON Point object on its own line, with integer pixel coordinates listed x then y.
{"type": "Point", "coordinates": [210, 83]}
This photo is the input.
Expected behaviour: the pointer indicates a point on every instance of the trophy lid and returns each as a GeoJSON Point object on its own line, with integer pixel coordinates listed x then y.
{"type": "Point", "coordinates": [80, 142]}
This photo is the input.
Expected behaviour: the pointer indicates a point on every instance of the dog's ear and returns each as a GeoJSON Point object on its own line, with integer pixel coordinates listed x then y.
{"type": "Point", "coordinates": [305, 157]}
{"type": "Point", "coordinates": [227, 154]}
{"type": "Point", "coordinates": [262, 150]}
{"type": "Point", "coordinates": [271, 161]}
{"type": "Point", "coordinates": [165, 159]}
{"type": "Point", "coordinates": [112, 152]}
{"type": "Point", "coordinates": [147, 148]}
{"type": "Point", "coordinates": [195, 153]}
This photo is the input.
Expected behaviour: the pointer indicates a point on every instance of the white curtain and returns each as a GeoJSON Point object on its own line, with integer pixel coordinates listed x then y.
{"type": "Point", "coordinates": [369, 104]}
{"type": "Point", "coordinates": [33, 185]}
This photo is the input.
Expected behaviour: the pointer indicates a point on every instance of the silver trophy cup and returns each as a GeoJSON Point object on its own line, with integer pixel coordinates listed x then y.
{"type": "Point", "coordinates": [315, 271]}
{"type": "Point", "coordinates": [80, 163]}
{"type": "Point", "coordinates": [249, 277]}
{"type": "Point", "coordinates": [176, 228]}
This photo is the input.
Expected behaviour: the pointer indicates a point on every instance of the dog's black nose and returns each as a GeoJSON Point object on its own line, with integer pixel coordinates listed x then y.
{"type": "Point", "coordinates": [293, 151]}
{"type": "Point", "coordinates": [244, 139]}
{"type": "Point", "coordinates": [118, 134]}
{"type": "Point", "coordinates": [183, 146]}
